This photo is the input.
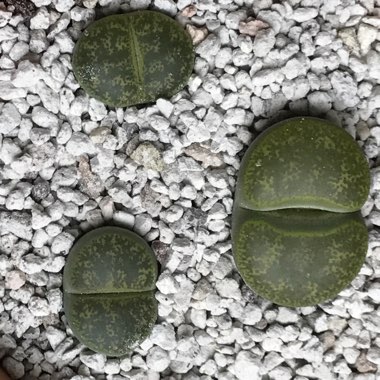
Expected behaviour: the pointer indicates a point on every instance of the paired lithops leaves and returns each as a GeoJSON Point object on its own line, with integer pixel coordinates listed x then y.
{"type": "Point", "coordinates": [298, 238]}
{"type": "Point", "coordinates": [133, 58]}
{"type": "Point", "coordinates": [109, 283]}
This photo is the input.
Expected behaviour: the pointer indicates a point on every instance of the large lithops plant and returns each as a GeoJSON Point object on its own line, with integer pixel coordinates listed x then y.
{"type": "Point", "coordinates": [133, 58]}
{"type": "Point", "coordinates": [109, 281]}
{"type": "Point", "coordinates": [298, 236]}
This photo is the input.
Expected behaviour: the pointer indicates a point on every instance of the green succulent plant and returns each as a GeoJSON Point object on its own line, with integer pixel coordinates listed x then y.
{"type": "Point", "coordinates": [133, 58]}
{"type": "Point", "coordinates": [109, 281]}
{"type": "Point", "coordinates": [298, 236]}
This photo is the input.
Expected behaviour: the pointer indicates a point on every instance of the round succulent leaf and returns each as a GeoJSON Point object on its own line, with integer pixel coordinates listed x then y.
{"type": "Point", "coordinates": [110, 260]}
{"type": "Point", "coordinates": [112, 324]}
{"type": "Point", "coordinates": [304, 163]}
{"type": "Point", "coordinates": [133, 58]}
{"type": "Point", "coordinates": [298, 257]}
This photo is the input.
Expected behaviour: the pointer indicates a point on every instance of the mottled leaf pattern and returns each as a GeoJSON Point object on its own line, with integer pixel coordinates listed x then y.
{"type": "Point", "coordinates": [297, 236]}
{"type": "Point", "coordinates": [109, 281]}
{"type": "Point", "coordinates": [298, 261]}
{"type": "Point", "coordinates": [304, 162]}
{"type": "Point", "coordinates": [112, 324]}
{"type": "Point", "coordinates": [110, 260]}
{"type": "Point", "coordinates": [133, 58]}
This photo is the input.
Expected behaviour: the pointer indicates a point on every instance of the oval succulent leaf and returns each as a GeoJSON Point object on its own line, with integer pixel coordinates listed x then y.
{"type": "Point", "coordinates": [108, 285]}
{"type": "Point", "coordinates": [133, 58]}
{"type": "Point", "coordinates": [298, 257]}
{"type": "Point", "coordinates": [110, 260]}
{"type": "Point", "coordinates": [112, 324]}
{"type": "Point", "coordinates": [306, 163]}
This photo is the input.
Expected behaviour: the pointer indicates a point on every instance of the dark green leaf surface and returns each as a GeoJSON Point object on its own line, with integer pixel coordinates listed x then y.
{"type": "Point", "coordinates": [133, 58]}
{"type": "Point", "coordinates": [110, 260]}
{"type": "Point", "coordinates": [306, 163]}
{"type": "Point", "coordinates": [298, 257]}
{"type": "Point", "coordinates": [112, 324]}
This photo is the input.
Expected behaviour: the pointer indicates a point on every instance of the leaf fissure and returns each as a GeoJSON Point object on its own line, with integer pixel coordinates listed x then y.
{"type": "Point", "coordinates": [137, 58]}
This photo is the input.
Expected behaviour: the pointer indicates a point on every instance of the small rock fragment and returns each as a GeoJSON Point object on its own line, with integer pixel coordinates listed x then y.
{"type": "Point", "coordinates": [363, 365]}
{"type": "Point", "coordinates": [366, 36]}
{"type": "Point", "coordinates": [23, 7]}
{"type": "Point", "coordinates": [10, 118]}
{"type": "Point", "coordinates": [349, 38]}
{"type": "Point", "coordinates": [93, 361]}
{"type": "Point", "coordinates": [17, 222]}
{"type": "Point", "coordinates": [89, 183]}
{"type": "Point", "coordinates": [246, 366]}
{"type": "Point", "coordinates": [304, 14]}
{"type": "Point", "coordinates": [157, 359]}
{"type": "Point", "coordinates": [62, 243]}
{"type": "Point", "coordinates": [147, 155]}
{"type": "Point", "coordinates": [204, 155]}
{"type": "Point", "coordinates": [14, 280]}
{"type": "Point", "coordinates": [189, 11]}
{"type": "Point", "coordinates": [13, 367]}
{"type": "Point", "coordinates": [252, 26]}
{"type": "Point", "coordinates": [79, 144]}
{"type": "Point", "coordinates": [197, 34]}
{"type": "Point", "coordinates": [163, 335]}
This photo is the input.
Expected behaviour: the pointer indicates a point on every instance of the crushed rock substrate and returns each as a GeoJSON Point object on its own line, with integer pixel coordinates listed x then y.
{"type": "Point", "coordinates": [168, 171]}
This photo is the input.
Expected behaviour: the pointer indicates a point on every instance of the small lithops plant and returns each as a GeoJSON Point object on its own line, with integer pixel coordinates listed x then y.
{"type": "Point", "coordinates": [133, 58]}
{"type": "Point", "coordinates": [109, 281]}
{"type": "Point", "coordinates": [298, 236]}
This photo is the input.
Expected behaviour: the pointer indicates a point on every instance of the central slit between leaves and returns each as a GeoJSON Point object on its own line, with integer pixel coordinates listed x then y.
{"type": "Point", "coordinates": [137, 59]}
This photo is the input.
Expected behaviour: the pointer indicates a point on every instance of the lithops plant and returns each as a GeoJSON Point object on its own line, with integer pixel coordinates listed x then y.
{"type": "Point", "coordinates": [133, 58]}
{"type": "Point", "coordinates": [109, 281]}
{"type": "Point", "coordinates": [298, 236]}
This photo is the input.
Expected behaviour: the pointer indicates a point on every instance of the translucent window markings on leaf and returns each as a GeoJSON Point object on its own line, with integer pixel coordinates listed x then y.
{"type": "Point", "coordinates": [156, 67]}
{"type": "Point", "coordinates": [316, 173]}
{"type": "Point", "coordinates": [88, 312]}
{"type": "Point", "coordinates": [324, 184]}
{"type": "Point", "coordinates": [137, 59]}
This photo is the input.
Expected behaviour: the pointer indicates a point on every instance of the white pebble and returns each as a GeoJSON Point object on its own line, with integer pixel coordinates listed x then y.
{"type": "Point", "coordinates": [165, 107]}
{"type": "Point", "coordinates": [163, 335]}
{"type": "Point", "coordinates": [80, 143]}
{"type": "Point", "coordinates": [246, 366]}
{"type": "Point", "coordinates": [62, 243]}
{"type": "Point", "coordinates": [15, 280]}
{"type": "Point", "coordinates": [167, 6]}
{"type": "Point", "coordinates": [228, 288]}
{"type": "Point", "coordinates": [10, 118]}
{"type": "Point", "coordinates": [93, 361]}
{"type": "Point", "coordinates": [264, 42]}
{"type": "Point", "coordinates": [166, 283]}
{"type": "Point", "coordinates": [304, 14]}
{"type": "Point", "coordinates": [251, 314]}
{"type": "Point", "coordinates": [39, 307]}
{"type": "Point", "coordinates": [367, 34]}
{"type": "Point", "coordinates": [157, 359]}
{"type": "Point", "coordinates": [40, 20]}
{"type": "Point", "coordinates": [63, 5]}
{"type": "Point", "coordinates": [198, 318]}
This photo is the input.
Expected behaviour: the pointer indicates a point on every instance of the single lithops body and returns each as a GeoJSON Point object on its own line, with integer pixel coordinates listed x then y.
{"type": "Point", "coordinates": [298, 238]}
{"type": "Point", "coordinates": [109, 283]}
{"type": "Point", "coordinates": [133, 58]}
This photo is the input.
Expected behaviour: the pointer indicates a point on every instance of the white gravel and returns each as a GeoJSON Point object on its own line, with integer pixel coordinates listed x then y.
{"type": "Point", "coordinates": [168, 171]}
